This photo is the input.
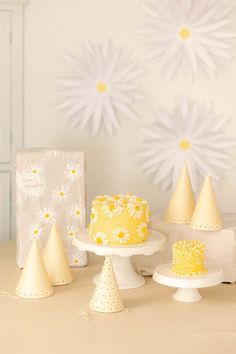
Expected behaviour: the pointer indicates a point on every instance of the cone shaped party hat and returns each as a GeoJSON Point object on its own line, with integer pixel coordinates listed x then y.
{"type": "Point", "coordinates": [55, 259]}
{"type": "Point", "coordinates": [34, 282]}
{"type": "Point", "coordinates": [206, 215]}
{"type": "Point", "coordinates": [106, 297]}
{"type": "Point", "coordinates": [181, 205]}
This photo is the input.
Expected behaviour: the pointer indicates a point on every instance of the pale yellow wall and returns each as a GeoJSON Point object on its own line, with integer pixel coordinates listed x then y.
{"type": "Point", "coordinates": [52, 26]}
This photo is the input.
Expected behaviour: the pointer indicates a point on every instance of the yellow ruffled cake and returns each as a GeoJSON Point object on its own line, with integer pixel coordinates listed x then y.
{"type": "Point", "coordinates": [119, 220]}
{"type": "Point", "coordinates": [188, 258]}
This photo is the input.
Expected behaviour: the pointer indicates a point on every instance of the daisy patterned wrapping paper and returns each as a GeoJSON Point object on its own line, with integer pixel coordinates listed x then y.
{"type": "Point", "coordinates": [50, 188]}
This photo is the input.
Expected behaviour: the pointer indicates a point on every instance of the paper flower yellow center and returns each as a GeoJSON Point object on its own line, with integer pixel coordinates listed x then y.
{"type": "Point", "coordinates": [71, 234]}
{"type": "Point", "coordinates": [47, 216]}
{"type": "Point", "coordinates": [184, 33]}
{"type": "Point", "coordinates": [184, 144]}
{"type": "Point", "coordinates": [36, 232]}
{"type": "Point", "coordinates": [73, 171]}
{"type": "Point", "coordinates": [101, 87]}
{"type": "Point", "coordinates": [76, 261]}
{"type": "Point", "coordinates": [34, 172]}
{"type": "Point", "coordinates": [61, 194]}
{"type": "Point", "coordinates": [77, 212]}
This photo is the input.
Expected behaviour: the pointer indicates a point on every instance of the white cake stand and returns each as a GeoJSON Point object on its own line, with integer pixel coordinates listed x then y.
{"type": "Point", "coordinates": [126, 276]}
{"type": "Point", "coordinates": [187, 291]}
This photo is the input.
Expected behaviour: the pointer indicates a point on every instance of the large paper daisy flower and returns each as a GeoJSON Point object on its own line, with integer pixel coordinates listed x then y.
{"type": "Point", "coordinates": [188, 35]}
{"type": "Point", "coordinates": [191, 135]}
{"type": "Point", "coordinates": [103, 85]}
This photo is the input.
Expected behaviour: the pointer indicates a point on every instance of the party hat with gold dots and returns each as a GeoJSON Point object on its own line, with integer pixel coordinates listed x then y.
{"type": "Point", "coordinates": [106, 297]}
{"type": "Point", "coordinates": [206, 215]}
{"type": "Point", "coordinates": [55, 259]}
{"type": "Point", "coordinates": [181, 205]}
{"type": "Point", "coordinates": [34, 282]}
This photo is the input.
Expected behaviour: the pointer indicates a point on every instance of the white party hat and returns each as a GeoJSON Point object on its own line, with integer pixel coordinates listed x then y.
{"type": "Point", "coordinates": [181, 205]}
{"type": "Point", "coordinates": [206, 215]}
{"type": "Point", "coordinates": [106, 297]}
{"type": "Point", "coordinates": [55, 259]}
{"type": "Point", "coordinates": [34, 282]}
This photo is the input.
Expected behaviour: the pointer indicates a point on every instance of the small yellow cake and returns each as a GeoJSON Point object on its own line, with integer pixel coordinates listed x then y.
{"type": "Point", "coordinates": [188, 258]}
{"type": "Point", "coordinates": [119, 220]}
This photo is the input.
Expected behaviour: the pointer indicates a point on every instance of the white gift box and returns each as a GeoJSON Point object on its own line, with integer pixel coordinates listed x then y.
{"type": "Point", "coordinates": [50, 188]}
{"type": "Point", "coordinates": [220, 246]}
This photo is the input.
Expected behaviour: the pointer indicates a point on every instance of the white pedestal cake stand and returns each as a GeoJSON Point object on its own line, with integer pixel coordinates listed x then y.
{"type": "Point", "coordinates": [126, 276]}
{"type": "Point", "coordinates": [187, 287]}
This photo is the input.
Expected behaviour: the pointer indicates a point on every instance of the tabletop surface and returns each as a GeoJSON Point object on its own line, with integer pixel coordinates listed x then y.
{"type": "Point", "coordinates": [152, 323]}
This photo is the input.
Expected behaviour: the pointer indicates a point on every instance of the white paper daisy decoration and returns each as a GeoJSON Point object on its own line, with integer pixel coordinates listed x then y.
{"type": "Point", "coordinates": [103, 86]}
{"type": "Point", "coordinates": [192, 134]}
{"type": "Point", "coordinates": [187, 35]}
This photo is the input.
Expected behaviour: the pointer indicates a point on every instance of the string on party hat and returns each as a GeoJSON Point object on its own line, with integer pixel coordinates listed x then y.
{"type": "Point", "coordinates": [206, 214]}
{"type": "Point", "coordinates": [106, 297]}
{"type": "Point", "coordinates": [181, 205]}
{"type": "Point", "coordinates": [55, 259]}
{"type": "Point", "coordinates": [34, 282]}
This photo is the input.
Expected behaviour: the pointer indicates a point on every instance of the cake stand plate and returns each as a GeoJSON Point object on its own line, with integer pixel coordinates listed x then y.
{"type": "Point", "coordinates": [127, 277]}
{"type": "Point", "coordinates": [187, 287]}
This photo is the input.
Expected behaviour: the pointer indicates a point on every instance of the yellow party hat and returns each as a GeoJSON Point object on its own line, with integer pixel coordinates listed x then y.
{"type": "Point", "coordinates": [55, 259]}
{"type": "Point", "coordinates": [34, 282]}
{"type": "Point", "coordinates": [106, 297]}
{"type": "Point", "coordinates": [181, 205]}
{"type": "Point", "coordinates": [206, 215]}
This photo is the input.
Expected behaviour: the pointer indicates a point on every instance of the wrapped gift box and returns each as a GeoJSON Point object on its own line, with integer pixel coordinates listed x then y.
{"type": "Point", "coordinates": [220, 246]}
{"type": "Point", "coordinates": [50, 187]}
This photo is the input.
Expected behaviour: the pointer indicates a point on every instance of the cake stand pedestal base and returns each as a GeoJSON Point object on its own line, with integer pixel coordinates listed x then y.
{"type": "Point", "coordinates": [187, 295]}
{"type": "Point", "coordinates": [187, 286]}
{"type": "Point", "coordinates": [126, 276]}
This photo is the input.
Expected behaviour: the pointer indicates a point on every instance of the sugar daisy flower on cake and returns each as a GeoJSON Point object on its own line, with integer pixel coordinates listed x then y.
{"type": "Point", "coordinates": [102, 87]}
{"type": "Point", "coordinates": [135, 209]}
{"type": "Point", "coordinates": [61, 194]}
{"type": "Point", "coordinates": [121, 235]}
{"type": "Point", "coordinates": [142, 230]}
{"type": "Point", "coordinates": [192, 134]}
{"type": "Point", "coordinates": [112, 208]}
{"type": "Point", "coordinates": [100, 238]}
{"type": "Point", "coordinates": [47, 215]}
{"type": "Point", "coordinates": [187, 35]}
{"type": "Point", "coordinates": [93, 216]}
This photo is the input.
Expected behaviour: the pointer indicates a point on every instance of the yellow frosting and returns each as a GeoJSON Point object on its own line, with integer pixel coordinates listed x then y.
{"type": "Point", "coordinates": [188, 258]}
{"type": "Point", "coordinates": [119, 220]}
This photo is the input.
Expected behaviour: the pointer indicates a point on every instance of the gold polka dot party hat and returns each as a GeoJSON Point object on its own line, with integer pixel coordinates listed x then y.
{"type": "Point", "coordinates": [106, 297]}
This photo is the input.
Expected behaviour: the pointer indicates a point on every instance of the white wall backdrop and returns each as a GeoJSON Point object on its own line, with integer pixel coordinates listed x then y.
{"type": "Point", "coordinates": [52, 26]}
